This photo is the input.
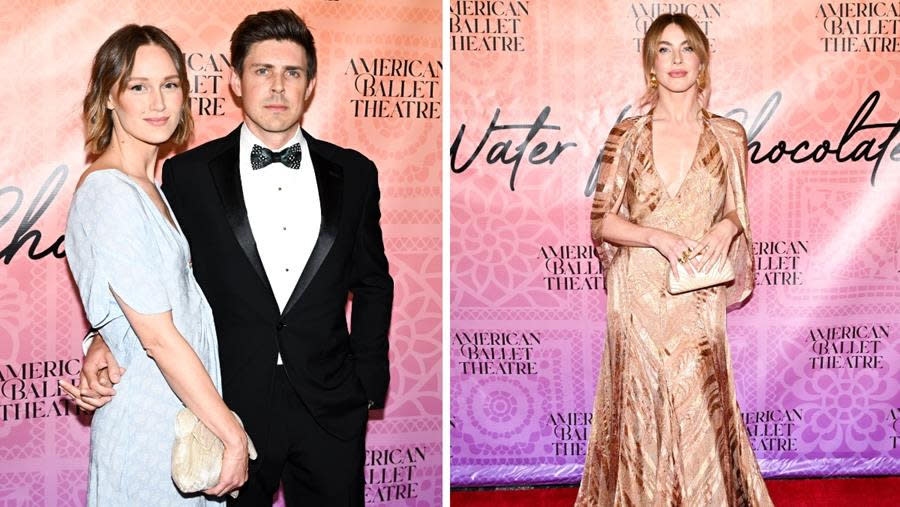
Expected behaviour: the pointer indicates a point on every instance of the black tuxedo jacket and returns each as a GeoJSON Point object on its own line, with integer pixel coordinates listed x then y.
{"type": "Point", "coordinates": [335, 372]}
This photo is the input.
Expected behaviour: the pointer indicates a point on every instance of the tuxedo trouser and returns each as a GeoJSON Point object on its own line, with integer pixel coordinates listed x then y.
{"type": "Point", "coordinates": [315, 467]}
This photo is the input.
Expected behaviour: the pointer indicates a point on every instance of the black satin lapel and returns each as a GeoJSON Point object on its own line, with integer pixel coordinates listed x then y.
{"type": "Point", "coordinates": [329, 179]}
{"type": "Point", "coordinates": [225, 171]}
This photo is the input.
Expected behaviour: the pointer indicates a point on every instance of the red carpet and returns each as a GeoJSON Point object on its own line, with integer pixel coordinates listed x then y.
{"type": "Point", "coordinates": [864, 492]}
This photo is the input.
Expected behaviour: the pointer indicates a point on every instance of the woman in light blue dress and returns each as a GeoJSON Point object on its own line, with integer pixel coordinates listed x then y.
{"type": "Point", "coordinates": [133, 270]}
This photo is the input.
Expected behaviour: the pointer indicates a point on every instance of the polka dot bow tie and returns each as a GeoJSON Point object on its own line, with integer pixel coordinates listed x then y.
{"type": "Point", "coordinates": [290, 156]}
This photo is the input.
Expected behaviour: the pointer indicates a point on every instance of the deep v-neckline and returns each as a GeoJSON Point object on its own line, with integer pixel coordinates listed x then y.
{"type": "Point", "coordinates": [687, 174]}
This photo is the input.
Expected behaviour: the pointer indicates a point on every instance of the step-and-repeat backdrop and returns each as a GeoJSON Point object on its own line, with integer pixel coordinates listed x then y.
{"type": "Point", "coordinates": [379, 91]}
{"type": "Point", "coordinates": [536, 87]}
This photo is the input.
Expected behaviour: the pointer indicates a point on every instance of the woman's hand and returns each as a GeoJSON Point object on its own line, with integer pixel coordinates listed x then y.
{"type": "Point", "coordinates": [234, 467]}
{"type": "Point", "coordinates": [714, 246]}
{"type": "Point", "coordinates": [674, 248]}
{"type": "Point", "coordinates": [76, 396]}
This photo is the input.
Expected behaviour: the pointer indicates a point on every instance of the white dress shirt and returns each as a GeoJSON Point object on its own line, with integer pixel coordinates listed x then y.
{"type": "Point", "coordinates": [284, 213]}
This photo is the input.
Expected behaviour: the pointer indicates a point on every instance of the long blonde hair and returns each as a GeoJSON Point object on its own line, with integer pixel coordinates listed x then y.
{"type": "Point", "coordinates": [698, 42]}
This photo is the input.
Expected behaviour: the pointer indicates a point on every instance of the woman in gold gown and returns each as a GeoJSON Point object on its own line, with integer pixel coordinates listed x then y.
{"type": "Point", "coordinates": [667, 429]}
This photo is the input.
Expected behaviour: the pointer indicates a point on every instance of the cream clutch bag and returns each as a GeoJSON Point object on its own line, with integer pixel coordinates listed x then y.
{"type": "Point", "coordinates": [197, 454]}
{"type": "Point", "coordinates": [687, 282]}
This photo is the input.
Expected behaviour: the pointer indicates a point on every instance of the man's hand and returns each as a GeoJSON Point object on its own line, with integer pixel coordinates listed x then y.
{"type": "Point", "coordinates": [99, 372]}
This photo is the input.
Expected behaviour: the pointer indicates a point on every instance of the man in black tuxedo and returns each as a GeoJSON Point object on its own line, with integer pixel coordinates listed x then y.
{"type": "Point", "coordinates": [282, 228]}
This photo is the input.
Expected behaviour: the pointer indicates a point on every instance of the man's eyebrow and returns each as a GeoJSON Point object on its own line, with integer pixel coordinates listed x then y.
{"type": "Point", "coordinates": [271, 66]}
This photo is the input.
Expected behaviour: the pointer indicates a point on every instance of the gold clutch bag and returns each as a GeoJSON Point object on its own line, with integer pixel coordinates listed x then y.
{"type": "Point", "coordinates": [687, 282]}
{"type": "Point", "coordinates": [197, 454]}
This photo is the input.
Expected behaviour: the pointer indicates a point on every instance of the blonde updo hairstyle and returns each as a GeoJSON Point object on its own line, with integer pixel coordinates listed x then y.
{"type": "Point", "coordinates": [695, 37]}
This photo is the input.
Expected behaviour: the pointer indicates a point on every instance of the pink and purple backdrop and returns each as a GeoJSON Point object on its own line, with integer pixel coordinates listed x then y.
{"type": "Point", "coordinates": [536, 87]}
{"type": "Point", "coordinates": [46, 49]}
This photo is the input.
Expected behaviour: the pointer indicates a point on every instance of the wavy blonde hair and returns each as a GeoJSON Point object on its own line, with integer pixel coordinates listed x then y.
{"type": "Point", "coordinates": [112, 66]}
{"type": "Point", "coordinates": [698, 42]}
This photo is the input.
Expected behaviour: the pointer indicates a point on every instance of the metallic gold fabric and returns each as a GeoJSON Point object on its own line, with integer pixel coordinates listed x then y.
{"type": "Point", "coordinates": [667, 427]}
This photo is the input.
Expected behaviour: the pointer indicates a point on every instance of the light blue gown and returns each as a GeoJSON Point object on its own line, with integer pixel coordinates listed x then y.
{"type": "Point", "coordinates": [116, 237]}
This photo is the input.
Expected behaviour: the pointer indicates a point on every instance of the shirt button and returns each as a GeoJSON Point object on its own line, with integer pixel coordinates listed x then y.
{"type": "Point", "coordinates": [284, 228]}
{"type": "Point", "coordinates": [279, 189]}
